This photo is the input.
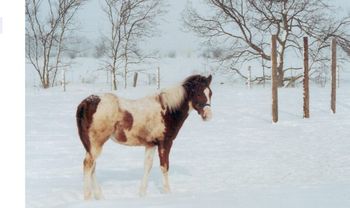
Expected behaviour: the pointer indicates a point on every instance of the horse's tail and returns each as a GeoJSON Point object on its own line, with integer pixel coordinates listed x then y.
{"type": "Point", "coordinates": [84, 116]}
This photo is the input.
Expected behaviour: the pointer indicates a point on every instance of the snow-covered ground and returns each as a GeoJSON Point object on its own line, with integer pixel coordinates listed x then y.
{"type": "Point", "coordinates": [238, 159]}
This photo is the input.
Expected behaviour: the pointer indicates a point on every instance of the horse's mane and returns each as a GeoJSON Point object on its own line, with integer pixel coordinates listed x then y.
{"type": "Point", "coordinates": [173, 97]}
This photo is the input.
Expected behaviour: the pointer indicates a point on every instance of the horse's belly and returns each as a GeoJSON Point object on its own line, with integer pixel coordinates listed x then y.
{"type": "Point", "coordinates": [128, 142]}
{"type": "Point", "coordinates": [138, 136]}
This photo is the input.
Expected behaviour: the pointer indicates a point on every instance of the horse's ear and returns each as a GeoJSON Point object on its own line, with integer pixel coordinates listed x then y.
{"type": "Point", "coordinates": [209, 79]}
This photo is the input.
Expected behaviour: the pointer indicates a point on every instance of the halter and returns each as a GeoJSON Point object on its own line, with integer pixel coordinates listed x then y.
{"type": "Point", "coordinates": [203, 105]}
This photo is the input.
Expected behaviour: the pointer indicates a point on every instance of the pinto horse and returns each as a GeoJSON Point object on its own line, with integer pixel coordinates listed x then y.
{"type": "Point", "coordinates": [152, 121]}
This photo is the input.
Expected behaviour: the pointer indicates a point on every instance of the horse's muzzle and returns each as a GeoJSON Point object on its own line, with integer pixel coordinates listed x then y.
{"type": "Point", "coordinates": [206, 113]}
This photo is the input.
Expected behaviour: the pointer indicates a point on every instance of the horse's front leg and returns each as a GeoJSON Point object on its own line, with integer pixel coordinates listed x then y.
{"type": "Point", "coordinates": [149, 153]}
{"type": "Point", "coordinates": [163, 151]}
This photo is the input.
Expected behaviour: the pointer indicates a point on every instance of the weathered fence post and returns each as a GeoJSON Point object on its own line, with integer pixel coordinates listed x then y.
{"type": "Point", "coordinates": [306, 79]}
{"type": "Point", "coordinates": [274, 79]}
{"type": "Point", "coordinates": [64, 79]}
{"type": "Point", "coordinates": [334, 75]}
{"type": "Point", "coordinates": [158, 78]}
{"type": "Point", "coordinates": [135, 79]}
{"type": "Point", "coordinates": [249, 80]}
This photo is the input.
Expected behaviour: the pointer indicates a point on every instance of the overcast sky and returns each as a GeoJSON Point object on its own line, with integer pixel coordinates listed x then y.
{"type": "Point", "coordinates": [172, 36]}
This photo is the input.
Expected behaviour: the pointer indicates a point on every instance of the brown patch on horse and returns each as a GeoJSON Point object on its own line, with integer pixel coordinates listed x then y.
{"type": "Point", "coordinates": [121, 126]}
{"type": "Point", "coordinates": [128, 120]}
{"type": "Point", "coordinates": [163, 152]}
{"type": "Point", "coordinates": [84, 116]}
{"type": "Point", "coordinates": [160, 100]}
{"type": "Point", "coordinates": [173, 120]}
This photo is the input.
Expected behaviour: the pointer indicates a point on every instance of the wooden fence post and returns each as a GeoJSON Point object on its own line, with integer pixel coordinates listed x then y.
{"type": "Point", "coordinates": [64, 79]}
{"type": "Point", "coordinates": [306, 79]}
{"type": "Point", "coordinates": [274, 79]}
{"type": "Point", "coordinates": [158, 78]}
{"type": "Point", "coordinates": [334, 75]}
{"type": "Point", "coordinates": [135, 79]}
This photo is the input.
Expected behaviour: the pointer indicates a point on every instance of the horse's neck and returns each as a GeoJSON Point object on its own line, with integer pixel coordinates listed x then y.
{"type": "Point", "coordinates": [174, 119]}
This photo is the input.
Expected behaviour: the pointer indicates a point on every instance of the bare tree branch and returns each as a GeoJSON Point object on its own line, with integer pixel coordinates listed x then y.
{"type": "Point", "coordinates": [243, 29]}
{"type": "Point", "coordinates": [131, 21]}
{"type": "Point", "coordinates": [44, 34]}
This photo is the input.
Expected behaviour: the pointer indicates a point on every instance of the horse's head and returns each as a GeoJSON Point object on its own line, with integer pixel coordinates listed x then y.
{"type": "Point", "coordinates": [199, 94]}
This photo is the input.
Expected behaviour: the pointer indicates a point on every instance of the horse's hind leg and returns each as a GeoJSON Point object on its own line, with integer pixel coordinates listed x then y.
{"type": "Point", "coordinates": [88, 167]}
{"type": "Point", "coordinates": [95, 186]}
{"type": "Point", "coordinates": [90, 184]}
{"type": "Point", "coordinates": [149, 153]}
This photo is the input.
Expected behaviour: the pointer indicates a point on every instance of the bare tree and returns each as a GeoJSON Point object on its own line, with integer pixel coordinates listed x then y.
{"type": "Point", "coordinates": [138, 25]}
{"type": "Point", "coordinates": [131, 21]}
{"type": "Point", "coordinates": [243, 28]}
{"type": "Point", "coordinates": [115, 11]}
{"type": "Point", "coordinates": [45, 34]}
{"type": "Point", "coordinates": [65, 25]}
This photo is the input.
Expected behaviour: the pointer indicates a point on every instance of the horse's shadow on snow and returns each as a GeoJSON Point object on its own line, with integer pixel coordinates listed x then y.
{"type": "Point", "coordinates": [135, 174]}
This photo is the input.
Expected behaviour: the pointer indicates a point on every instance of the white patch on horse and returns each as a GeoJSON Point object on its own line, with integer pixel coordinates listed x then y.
{"type": "Point", "coordinates": [165, 179]}
{"type": "Point", "coordinates": [207, 109]}
{"type": "Point", "coordinates": [173, 97]}
{"type": "Point", "coordinates": [147, 126]}
{"type": "Point", "coordinates": [206, 92]}
{"type": "Point", "coordinates": [149, 154]}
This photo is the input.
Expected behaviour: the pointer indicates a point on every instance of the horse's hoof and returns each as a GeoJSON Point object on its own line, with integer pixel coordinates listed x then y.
{"type": "Point", "coordinates": [87, 196]}
{"type": "Point", "coordinates": [166, 190]}
{"type": "Point", "coordinates": [142, 193]}
{"type": "Point", "coordinates": [98, 194]}
{"type": "Point", "coordinates": [99, 197]}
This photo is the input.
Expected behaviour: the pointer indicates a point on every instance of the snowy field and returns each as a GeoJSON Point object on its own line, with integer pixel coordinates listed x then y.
{"type": "Point", "coordinates": [238, 159]}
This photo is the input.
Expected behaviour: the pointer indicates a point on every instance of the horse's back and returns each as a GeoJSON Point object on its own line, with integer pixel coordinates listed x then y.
{"type": "Point", "coordinates": [107, 113]}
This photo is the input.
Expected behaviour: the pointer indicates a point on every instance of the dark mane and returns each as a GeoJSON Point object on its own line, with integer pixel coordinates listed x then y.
{"type": "Point", "coordinates": [193, 81]}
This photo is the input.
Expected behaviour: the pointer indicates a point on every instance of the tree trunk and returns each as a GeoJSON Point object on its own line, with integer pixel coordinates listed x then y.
{"type": "Point", "coordinates": [280, 74]}
{"type": "Point", "coordinates": [114, 80]}
{"type": "Point", "coordinates": [249, 80]}
{"type": "Point", "coordinates": [306, 79]}
{"type": "Point", "coordinates": [46, 82]}
{"type": "Point", "coordinates": [59, 50]}
{"type": "Point", "coordinates": [114, 72]}
{"type": "Point", "coordinates": [126, 72]}
{"type": "Point", "coordinates": [334, 75]}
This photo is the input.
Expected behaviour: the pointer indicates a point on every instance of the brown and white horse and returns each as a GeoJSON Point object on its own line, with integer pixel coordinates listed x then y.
{"type": "Point", "coordinates": [152, 122]}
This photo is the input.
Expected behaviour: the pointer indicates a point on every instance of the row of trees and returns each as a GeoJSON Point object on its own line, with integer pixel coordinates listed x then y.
{"type": "Point", "coordinates": [49, 35]}
{"type": "Point", "coordinates": [242, 30]}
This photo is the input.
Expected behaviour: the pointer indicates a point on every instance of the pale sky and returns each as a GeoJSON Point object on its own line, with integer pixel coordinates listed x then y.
{"type": "Point", "coordinates": [172, 36]}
